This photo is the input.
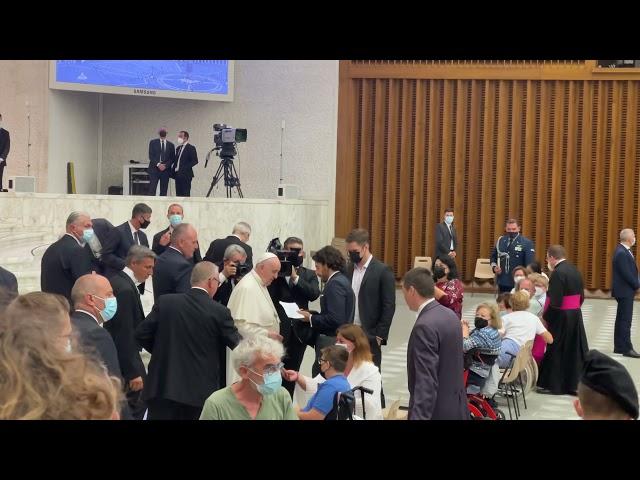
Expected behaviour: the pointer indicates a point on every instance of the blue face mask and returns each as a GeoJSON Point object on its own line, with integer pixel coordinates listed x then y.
{"type": "Point", "coordinates": [110, 308]}
{"type": "Point", "coordinates": [448, 219]}
{"type": "Point", "coordinates": [175, 220]}
{"type": "Point", "coordinates": [503, 313]}
{"type": "Point", "coordinates": [272, 383]}
{"type": "Point", "coordinates": [87, 235]}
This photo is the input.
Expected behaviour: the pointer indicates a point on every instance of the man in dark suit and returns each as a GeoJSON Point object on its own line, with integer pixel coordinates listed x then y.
{"type": "Point", "coordinates": [374, 286]}
{"type": "Point", "coordinates": [240, 236]}
{"type": "Point", "coordinates": [434, 356]}
{"type": "Point", "coordinates": [162, 154]}
{"type": "Point", "coordinates": [67, 259]}
{"type": "Point", "coordinates": [173, 268]}
{"type": "Point", "coordinates": [299, 287]}
{"type": "Point", "coordinates": [161, 240]}
{"type": "Point", "coordinates": [446, 237]}
{"type": "Point", "coordinates": [229, 276]}
{"type": "Point", "coordinates": [130, 314]}
{"type": "Point", "coordinates": [337, 303]}
{"type": "Point", "coordinates": [123, 237]}
{"type": "Point", "coordinates": [89, 297]}
{"type": "Point", "coordinates": [186, 334]}
{"type": "Point", "coordinates": [101, 229]}
{"type": "Point", "coordinates": [8, 281]}
{"type": "Point", "coordinates": [182, 168]}
{"type": "Point", "coordinates": [624, 287]}
{"type": "Point", "coordinates": [5, 144]}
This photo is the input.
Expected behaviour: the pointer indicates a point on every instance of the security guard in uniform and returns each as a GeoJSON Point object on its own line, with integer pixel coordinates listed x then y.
{"type": "Point", "coordinates": [510, 251]}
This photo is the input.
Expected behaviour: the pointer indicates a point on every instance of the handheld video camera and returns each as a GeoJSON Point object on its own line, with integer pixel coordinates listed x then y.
{"type": "Point", "coordinates": [288, 258]}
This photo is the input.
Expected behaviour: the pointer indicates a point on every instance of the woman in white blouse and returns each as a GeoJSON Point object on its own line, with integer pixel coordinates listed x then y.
{"type": "Point", "coordinates": [360, 371]}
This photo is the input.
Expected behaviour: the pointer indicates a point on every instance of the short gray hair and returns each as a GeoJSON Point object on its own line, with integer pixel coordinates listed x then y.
{"type": "Point", "coordinates": [75, 216]}
{"type": "Point", "coordinates": [233, 248]}
{"type": "Point", "coordinates": [137, 253]}
{"type": "Point", "coordinates": [179, 233]}
{"type": "Point", "coordinates": [242, 227]}
{"type": "Point", "coordinates": [254, 347]}
{"type": "Point", "coordinates": [625, 234]}
{"type": "Point", "coordinates": [203, 271]}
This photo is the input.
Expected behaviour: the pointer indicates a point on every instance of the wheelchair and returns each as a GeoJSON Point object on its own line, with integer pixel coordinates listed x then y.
{"type": "Point", "coordinates": [344, 404]}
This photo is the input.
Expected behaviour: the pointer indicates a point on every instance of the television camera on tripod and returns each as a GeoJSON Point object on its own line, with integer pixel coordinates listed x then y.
{"type": "Point", "coordinates": [226, 139]}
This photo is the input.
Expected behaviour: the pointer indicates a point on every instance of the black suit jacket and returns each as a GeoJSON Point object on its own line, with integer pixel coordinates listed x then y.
{"type": "Point", "coordinates": [435, 366]}
{"type": "Point", "coordinates": [443, 240]}
{"type": "Point", "coordinates": [306, 290]}
{"type": "Point", "coordinates": [171, 274]}
{"type": "Point", "coordinates": [337, 306]}
{"type": "Point", "coordinates": [115, 249]}
{"type": "Point", "coordinates": [625, 274]}
{"type": "Point", "coordinates": [96, 341]}
{"type": "Point", "coordinates": [62, 264]}
{"type": "Point", "coordinates": [154, 155]}
{"type": "Point", "coordinates": [215, 253]}
{"type": "Point", "coordinates": [223, 294]}
{"type": "Point", "coordinates": [376, 299]}
{"type": "Point", "coordinates": [186, 335]}
{"type": "Point", "coordinates": [101, 229]}
{"type": "Point", "coordinates": [160, 249]}
{"type": "Point", "coordinates": [5, 144]}
{"type": "Point", "coordinates": [123, 325]}
{"type": "Point", "coordinates": [8, 281]}
{"type": "Point", "coordinates": [188, 160]}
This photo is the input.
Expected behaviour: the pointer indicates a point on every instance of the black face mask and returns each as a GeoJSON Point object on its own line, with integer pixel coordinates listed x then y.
{"type": "Point", "coordinates": [481, 322]}
{"type": "Point", "coordinates": [355, 257]}
{"type": "Point", "coordinates": [145, 224]}
{"type": "Point", "coordinates": [512, 235]}
{"type": "Point", "coordinates": [438, 273]}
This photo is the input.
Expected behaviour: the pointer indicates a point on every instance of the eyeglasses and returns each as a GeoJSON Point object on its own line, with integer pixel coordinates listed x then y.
{"type": "Point", "coordinates": [269, 369]}
{"type": "Point", "coordinates": [321, 361]}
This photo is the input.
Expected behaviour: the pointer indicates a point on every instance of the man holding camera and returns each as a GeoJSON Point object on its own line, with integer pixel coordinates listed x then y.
{"type": "Point", "coordinates": [294, 285]}
{"type": "Point", "coordinates": [232, 269]}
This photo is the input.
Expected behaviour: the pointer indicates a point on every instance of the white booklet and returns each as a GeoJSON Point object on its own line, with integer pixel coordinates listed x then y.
{"type": "Point", "coordinates": [291, 309]}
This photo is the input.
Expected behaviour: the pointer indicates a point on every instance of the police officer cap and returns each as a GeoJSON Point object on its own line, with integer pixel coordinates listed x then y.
{"type": "Point", "coordinates": [610, 378]}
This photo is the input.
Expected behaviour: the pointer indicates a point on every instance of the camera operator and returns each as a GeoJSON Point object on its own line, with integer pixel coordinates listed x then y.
{"type": "Point", "coordinates": [300, 286]}
{"type": "Point", "coordinates": [232, 269]}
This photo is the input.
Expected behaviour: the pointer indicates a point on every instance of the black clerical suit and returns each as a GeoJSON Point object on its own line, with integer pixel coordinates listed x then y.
{"type": "Point", "coordinates": [62, 264]}
{"type": "Point", "coordinates": [160, 154]}
{"type": "Point", "coordinates": [185, 334]}
{"type": "Point", "coordinates": [283, 289]}
{"type": "Point", "coordinates": [171, 274]}
{"type": "Point", "coordinates": [182, 169]}
{"type": "Point", "coordinates": [215, 253]}
{"type": "Point", "coordinates": [122, 329]}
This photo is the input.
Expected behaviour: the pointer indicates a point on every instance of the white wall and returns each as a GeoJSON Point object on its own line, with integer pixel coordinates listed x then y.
{"type": "Point", "coordinates": [74, 125]}
{"type": "Point", "coordinates": [303, 93]}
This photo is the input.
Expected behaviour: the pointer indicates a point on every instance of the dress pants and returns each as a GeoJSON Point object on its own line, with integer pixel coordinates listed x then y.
{"type": "Point", "coordinates": [183, 185]}
{"type": "Point", "coordinates": [163, 409]}
{"type": "Point", "coordinates": [294, 352]}
{"type": "Point", "coordinates": [622, 330]}
{"type": "Point", "coordinates": [156, 175]}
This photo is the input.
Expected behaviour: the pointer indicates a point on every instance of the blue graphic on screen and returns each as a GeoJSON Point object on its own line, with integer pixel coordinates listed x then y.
{"type": "Point", "coordinates": [196, 76]}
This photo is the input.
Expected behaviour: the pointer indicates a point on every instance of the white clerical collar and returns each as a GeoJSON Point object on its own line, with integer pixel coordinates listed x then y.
{"type": "Point", "coordinates": [90, 314]}
{"type": "Point", "coordinates": [76, 239]}
{"type": "Point", "coordinates": [131, 275]}
{"type": "Point", "coordinates": [421, 307]}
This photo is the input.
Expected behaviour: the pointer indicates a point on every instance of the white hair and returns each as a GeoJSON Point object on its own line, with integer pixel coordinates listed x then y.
{"type": "Point", "coordinates": [233, 248]}
{"type": "Point", "coordinates": [242, 228]}
{"type": "Point", "coordinates": [253, 347]}
{"type": "Point", "coordinates": [626, 234]}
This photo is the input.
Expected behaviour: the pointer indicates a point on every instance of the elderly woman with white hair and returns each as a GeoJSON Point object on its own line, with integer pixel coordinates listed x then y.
{"type": "Point", "coordinates": [259, 395]}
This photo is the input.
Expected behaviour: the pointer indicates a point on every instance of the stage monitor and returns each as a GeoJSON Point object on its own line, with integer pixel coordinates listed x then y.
{"type": "Point", "coordinates": [189, 79]}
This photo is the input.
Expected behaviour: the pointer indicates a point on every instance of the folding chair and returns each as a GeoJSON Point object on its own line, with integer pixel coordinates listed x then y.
{"type": "Point", "coordinates": [483, 271]}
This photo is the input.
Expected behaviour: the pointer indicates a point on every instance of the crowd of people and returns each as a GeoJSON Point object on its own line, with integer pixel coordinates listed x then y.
{"type": "Point", "coordinates": [228, 332]}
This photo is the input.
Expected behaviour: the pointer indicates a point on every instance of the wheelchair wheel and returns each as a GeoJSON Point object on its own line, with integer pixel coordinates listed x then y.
{"type": "Point", "coordinates": [500, 414]}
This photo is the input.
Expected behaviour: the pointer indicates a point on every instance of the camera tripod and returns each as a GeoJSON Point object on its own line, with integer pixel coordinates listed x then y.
{"type": "Point", "coordinates": [226, 170]}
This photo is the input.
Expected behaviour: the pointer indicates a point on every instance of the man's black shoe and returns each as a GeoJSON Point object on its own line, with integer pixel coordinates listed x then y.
{"type": "Point", "coordinates": [632, 354]}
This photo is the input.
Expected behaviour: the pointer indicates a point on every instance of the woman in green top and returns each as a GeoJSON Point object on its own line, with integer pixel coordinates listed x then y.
{"type": "Point", "coordinates": [260, 394]}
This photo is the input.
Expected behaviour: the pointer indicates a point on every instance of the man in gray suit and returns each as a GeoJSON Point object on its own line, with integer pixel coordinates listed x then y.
{"type": "Point", "coordinates": [434, 356]}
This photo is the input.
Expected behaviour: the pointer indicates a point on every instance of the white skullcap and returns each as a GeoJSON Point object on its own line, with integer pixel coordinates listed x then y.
{"type": "Point", "coordinates": [263, 257]}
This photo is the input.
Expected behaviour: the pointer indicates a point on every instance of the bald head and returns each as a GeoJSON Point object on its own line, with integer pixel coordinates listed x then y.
{"type": "Point", "coordinates": [185, 239]}
{"type": "Point", "coordinates": [628, 237]}
{"type": "Point", "coordinates": [267, 269]}
{"type": "Point", "coordinates": [90, 292]}
{"type": "Point", "coordinates": [205, 275]}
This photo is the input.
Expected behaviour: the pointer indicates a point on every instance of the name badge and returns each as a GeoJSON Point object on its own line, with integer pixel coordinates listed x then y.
{"type": "Point", "coordinates": [518, 248]}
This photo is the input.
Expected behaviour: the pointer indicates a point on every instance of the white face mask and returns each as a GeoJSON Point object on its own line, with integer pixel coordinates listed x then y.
{"type": "Point", "coordinates": [539, 292]}
{"type": "Point", "coordinates": [518, 278]}
{"type": "Point", "coordinates": [549, 266]}
{"type": "Point", "coordinates": [347, 347]}
{"type": "Point", "coordinates": [180, 140]}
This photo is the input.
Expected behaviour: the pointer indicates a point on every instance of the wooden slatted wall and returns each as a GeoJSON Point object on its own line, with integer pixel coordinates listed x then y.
{"type": "Point", "coordinates": [560, 155]}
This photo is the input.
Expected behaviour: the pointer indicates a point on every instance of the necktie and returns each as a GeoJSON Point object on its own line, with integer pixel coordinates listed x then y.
{"type": "Point", "coordinates": [161, 151]}
{"type": "Point", "coordinates": [181, 147]}
{"type": "Point", "coordinates": [136, 239]}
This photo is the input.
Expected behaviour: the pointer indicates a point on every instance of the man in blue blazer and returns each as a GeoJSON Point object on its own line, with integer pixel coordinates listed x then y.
{"type": "Point", "coordinates": [623, 289]}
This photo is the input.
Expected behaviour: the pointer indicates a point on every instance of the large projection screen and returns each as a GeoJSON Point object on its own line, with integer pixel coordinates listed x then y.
{"type": "Point", "coordinates": [188, 79]}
